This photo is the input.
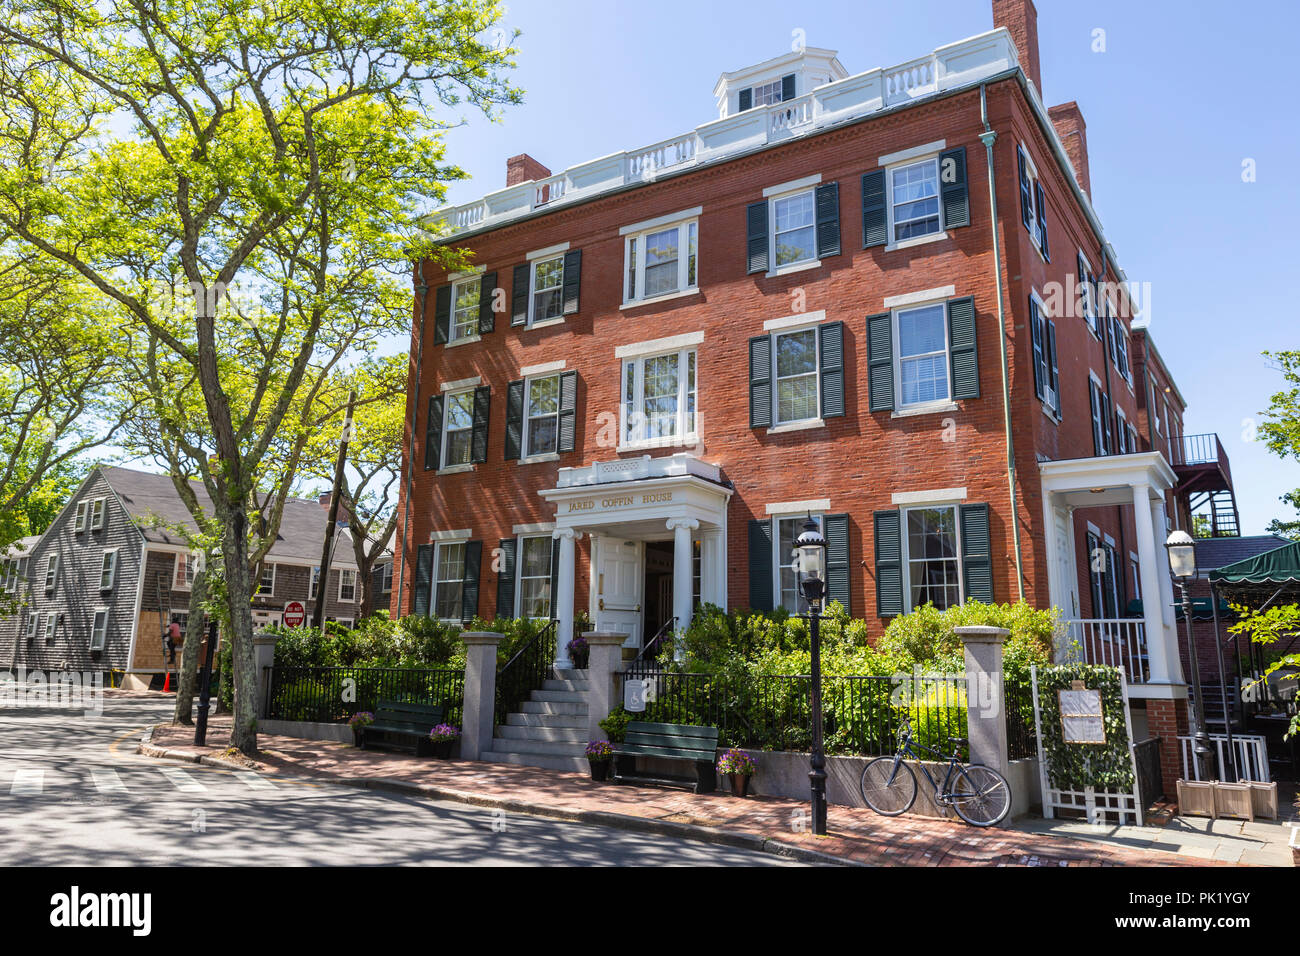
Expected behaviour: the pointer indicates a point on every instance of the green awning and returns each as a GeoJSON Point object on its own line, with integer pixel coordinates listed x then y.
{"type": "Point", "coordinates": [1277, 567]}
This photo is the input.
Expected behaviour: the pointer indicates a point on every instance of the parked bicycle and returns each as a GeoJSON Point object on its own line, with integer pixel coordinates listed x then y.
{"type": "Point", "coordinates": [980, 795]}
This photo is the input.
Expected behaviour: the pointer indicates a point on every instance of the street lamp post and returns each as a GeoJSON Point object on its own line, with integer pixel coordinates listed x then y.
{"type": "Point", "coordinates": [810, 552]}
{"type": "Point", "coordinates": [1182, 565]}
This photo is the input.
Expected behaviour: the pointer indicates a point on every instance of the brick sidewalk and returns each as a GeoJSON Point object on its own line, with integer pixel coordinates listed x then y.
{"type": "Point", "coordinates": [856, 835]}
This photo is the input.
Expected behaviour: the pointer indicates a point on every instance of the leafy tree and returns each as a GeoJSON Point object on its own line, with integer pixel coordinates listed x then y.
{"type": "Point", "coordinates": [1268, 627]}
{"type": "Point", "coordinates": [250, 152]}
{"type": "Point", "coordinates": [1280, 431]}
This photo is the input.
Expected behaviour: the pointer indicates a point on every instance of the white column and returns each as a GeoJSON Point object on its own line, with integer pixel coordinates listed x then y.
{"type": "Point", "coordinates": [1055, 590]}
{"type": "Point", "coordinates": [683, 569]}
{"type": "Point", "coordinates": [1157, 649]}
{"type": "Point", "coordinates": [1160, 528]}
{"type": "Point", "coordinates": [563, 598]}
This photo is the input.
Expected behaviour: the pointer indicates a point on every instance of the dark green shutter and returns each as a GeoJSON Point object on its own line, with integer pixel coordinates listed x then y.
{"type": "Point", "coordinates": [831, 352]}
{"type": "Point", "coordinates": [880, 362]}
{"type": "Point", "coordinates": [836, 530]}
{"type": "Point", "coordinates": [506, 578]}
{"type": "Point", "coordinates": [487, 319]}
{"type": "Point", "coordinates": [514, 420]}
{"type": "Point", "coordinates": [433, 434]}
{"type": "Point", "coordinates": [963, 353]}
{"type": "Point", "coordinates": [827, 204]}
{"type": "Point", "coordinates": [1094, 407]}
{"type": "Point", "coordinates": [442, 315]}
{"type": "Point", "coordinates": [977, 553]}
{"type": "Point", "coordinates": [519, 294]}
{"type": "Point", "coordinates": [760, 564]}
{"type": "Point", "coordinates": [1054, 367]}
{"type": "Point", "coordinates": [1108, 415]}
{"type": "Point", "coordinates": [572, 280]}
{"type": "Point", "coordinates": [1040, 202]}
{"type": "Point", "coordinates": [469, 583]}
{"type": "Point", "coordinates": [760, 381]}
{"type": "Point", "coordinates": [888, 537]}
{"type": "Point", "coordinates": [952, 180]}
{"type": "Point", "coordinates": [1036, 334]}
{"type": "Point", "coordinates": [1026, 196]}
{"type": "Point", "coordinates": [756, 237]}
{"type": "Point", "coordinates": [568, 411]}
{"type": "Point", "coordinates": [747, 99]}
{"type": "Point", "coordinates": [478, 438]}
{"type": "Point", "coordinates": [423, 580]}
{"type": "Point", "coordinates": [787, 87]}
{"type": "Point", "coordinates": [875, 214]}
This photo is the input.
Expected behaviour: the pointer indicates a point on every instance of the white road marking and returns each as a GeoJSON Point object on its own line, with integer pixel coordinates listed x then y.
{"type": "Point", "coordinates": [107, 781]}
{"type": "Point", "coordinates": [253, 781]}
{"type": "Point", "coordinates": [28, 783]}
{"type": "Point", "coordinates": [181, 780]}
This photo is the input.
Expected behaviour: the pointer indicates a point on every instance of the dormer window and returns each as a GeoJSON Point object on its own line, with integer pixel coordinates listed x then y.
{"type": "Point", "coordinates": [765, 94]}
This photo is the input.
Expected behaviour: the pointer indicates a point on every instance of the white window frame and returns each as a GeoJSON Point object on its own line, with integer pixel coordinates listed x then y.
{"type": "Point", "coordinates": [99, 629]}
{"type": "Point", "coordinates": [52, 626]}
{"type": "Point", "coordinates": [261, 581]}
{"type": "Point", "coordinates": [893, 241]}
{"type": "Point", "coordinates": [185, 569]}
{"type": "Point", "coordinates": [456, 288]}
{"type": "Point", "coordinates": [33, 624]}
{"type": "Point", "coordinates": [108, 566]}
{"type": "Point", "coordinates": [777, 334]}
{"type": "Point", "coordinates": [52, 563]}
{"type": "Point", "coordinates": [81, 517]}
{"type": "Point", "coordinates": [9, 575]}
{"type": "Point", "coordinates": [526, 438]}
{"type": "Point", "coordinates": [345, 622]}
{"type": "Point", "coordinates": [446, 430]}
{"type": "Point", "coordinates": [182, 617]}
{"type": "Point", "coordinates": [519, 573]}
{"type": "Point", "coordinates": [770, 88]}
{"type": "Point", "coordinates": [313, 582]}
{"type": "Point", "coordinates": [343, 576]}
{"type": "Point", "coordinates": [682, 435]}
{"type": "Point", "coordinates": [439, 548]}
{"type": "Point", "coordinates": [1122, 349]}
{"type": "Point", "coordinates": [955, 506]}
{"type": "Point", "coordinates": [1121, 432]}
{"type": "Point", "coordinates": [895, 316]}
{"type": "Point", "coordinates": [1031, 173]}
{"type": "Point", "coordinates": [386, 580]}
{"type": "Point", "coordinates": [634, 259]}
{"type": "Point", "coordinates": [779, 561]}
{"type": "Point", "coordinates": [1136, 565]}
{"type": "Point", "coordinates": [775, 268]}
{"type": "Point", "coordinates": [98, 514]}
{"type": "Point", "coordinates": [534, 292]}
{"type": "Point", "coordinates": [1091, 312]}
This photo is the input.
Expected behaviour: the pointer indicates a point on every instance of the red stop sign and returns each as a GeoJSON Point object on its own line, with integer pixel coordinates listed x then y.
{"type": "Point", "coordinates": [294, 614]}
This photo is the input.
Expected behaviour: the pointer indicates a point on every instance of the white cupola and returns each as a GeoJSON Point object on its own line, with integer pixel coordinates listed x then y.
{"type": "Point", "coordinates": [776, 80]}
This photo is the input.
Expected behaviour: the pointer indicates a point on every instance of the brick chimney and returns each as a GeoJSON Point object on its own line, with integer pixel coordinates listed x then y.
{"type": "Point", "coordinates": [1074, 134]}
{"type": "Point", "coordinates": [1021, 20]}
{"type": "Point", "coordinates": [523, 168]}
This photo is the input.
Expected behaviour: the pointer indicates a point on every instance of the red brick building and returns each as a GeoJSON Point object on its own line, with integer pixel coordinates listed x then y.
{"type": "Point", "coordinates": [881, 298]}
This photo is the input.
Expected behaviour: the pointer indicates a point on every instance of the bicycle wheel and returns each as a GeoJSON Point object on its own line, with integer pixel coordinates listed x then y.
{"type": "Point", "coordinates": [980, 795]}
{"type": "Point", "coordinates": [887, 792]}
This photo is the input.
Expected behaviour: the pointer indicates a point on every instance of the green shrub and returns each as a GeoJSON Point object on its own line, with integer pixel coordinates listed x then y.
{"type": "Point", "coordinates": [927, 637]}
{"type": "Point", "coordinates": [615, 725]}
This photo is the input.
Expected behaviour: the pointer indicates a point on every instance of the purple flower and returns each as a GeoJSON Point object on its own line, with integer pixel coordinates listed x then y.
{"type": "Point", "coordinates": [444, 732]}
{"type": "Point", "coordinates": [599, 750]}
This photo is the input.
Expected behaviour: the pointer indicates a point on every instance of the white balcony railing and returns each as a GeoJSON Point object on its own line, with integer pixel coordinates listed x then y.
{"type": "Point", "coordinates": [1250, 750]}
{"type": "Point", "coordinates": [635, 469]}
{"type": "Point", "coordinates": [957, 65]}
{"type": "Point", "coordinates": [1115, 642]}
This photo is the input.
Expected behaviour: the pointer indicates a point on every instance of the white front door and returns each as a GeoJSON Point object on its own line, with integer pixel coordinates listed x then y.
{"type": "Point", "coordinates": [1066, 572]}
{"type": "Point", "coordinates": [620, 576]}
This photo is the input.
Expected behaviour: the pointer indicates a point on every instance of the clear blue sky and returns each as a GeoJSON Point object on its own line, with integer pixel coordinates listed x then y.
{"type": "Point", "coordinates": [1182, 95]}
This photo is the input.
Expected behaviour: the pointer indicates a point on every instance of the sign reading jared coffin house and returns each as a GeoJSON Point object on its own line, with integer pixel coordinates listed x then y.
{"type": "Point", "coordinates": [1081, 718]}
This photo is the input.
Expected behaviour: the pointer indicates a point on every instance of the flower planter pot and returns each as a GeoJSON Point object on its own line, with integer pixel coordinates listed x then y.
{"type": "Point", "coordinates": [580, 659]}
{"type": "Point", "coordinates": [739, 783]}
{"type": "Point", "coordinates": [1233, 800]}
{"type": "Point", "coordinates": [1195, 798]}
{"type": "Point", "coordinates": [1263, 799]}
{"type": "Point", "coordinates": [442, 749]}
{"type": "Point", "coordinates": [599, 770]}
{"type": "Point", "coordinates": [356, 737]}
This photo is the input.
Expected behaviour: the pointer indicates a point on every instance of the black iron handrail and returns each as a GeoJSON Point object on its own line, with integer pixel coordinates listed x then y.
{"type": "Point", "coordinates": [526, 670]}
{"type": "Point", "coordinates": [655, 642]}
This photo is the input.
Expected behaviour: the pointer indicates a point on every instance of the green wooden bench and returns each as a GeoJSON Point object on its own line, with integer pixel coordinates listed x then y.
{"type": "Point", "coordinates": [685, 742]}
{"type": "Point", "coordinates": [403, 725]}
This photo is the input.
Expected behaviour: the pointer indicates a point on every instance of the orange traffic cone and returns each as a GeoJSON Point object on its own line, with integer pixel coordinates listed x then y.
{"type": "Point", "coordinates": [167, 682]}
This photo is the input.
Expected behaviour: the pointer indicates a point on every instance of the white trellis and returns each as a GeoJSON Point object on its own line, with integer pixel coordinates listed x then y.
{"type": "Point", "coordinates": [1095, 804]}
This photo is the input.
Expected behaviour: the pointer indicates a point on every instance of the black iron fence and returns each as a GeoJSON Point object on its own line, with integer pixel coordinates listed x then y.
{"type": "Point", "coordinates": [1022, 739]}
{"type": "Point", "coordinates": [525, 671]}
{"type": "Point", "coordinates": [1150, 780]}
{"type": "Point", "coordinates": [334, 694]}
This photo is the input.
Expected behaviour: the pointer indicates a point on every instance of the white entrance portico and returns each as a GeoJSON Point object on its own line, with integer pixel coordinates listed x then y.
{"type": "Point", "coordinates": [622, 505]}
{"type": "Point", "coordinates": [1147, 647]}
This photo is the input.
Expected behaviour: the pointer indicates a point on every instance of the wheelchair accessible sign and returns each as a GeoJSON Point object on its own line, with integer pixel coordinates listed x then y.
{"type": "Point", "coordinates": [637, 693]}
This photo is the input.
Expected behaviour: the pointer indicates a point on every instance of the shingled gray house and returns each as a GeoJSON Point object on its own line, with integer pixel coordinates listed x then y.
{"type": "Point", "coordinates": [99, 587]}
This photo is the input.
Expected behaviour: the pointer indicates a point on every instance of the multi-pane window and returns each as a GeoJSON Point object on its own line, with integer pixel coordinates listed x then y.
{"type": "Point", "coordinates": [449, 581]}
{"type": "Point", "coordinates": [1104, 580]}
{"type": "Point", "coordinates": [347, 585]}
{"type": "Point", "coordinates": [183, 619]}
{"type": "Point", "coordinates": [766, 94]}
{"type": "Point", "coordinates": [458, 428]}
{"type": "Point", "coordinates": [187, 566]}
{"type": "Point", "coordinates": [99, 629]}
{"type": "Point", "coordinates": [9, 575]}
{"type": "Point", "coordinates": [386, 584]}
{"type": "Point", "coordinates": [787, 532]}
{"type": "Point", "coordinates": [796, 376]}
{"type": "Point", "coordinates": [97, 514]}
{"type": "Point", "coordinates": [1121, 433]}
{"type": "Point", "coordinates": [108, 571]}
{"type": "Point", "coordinates": [51, 626]}
{"type": "Point", "coordinates": [662, 261]}
{"type": "Point", "coordinates": [51, 572]}
{"type": "Point", "coordinates": [794, 229]}
{"type": "Point", "coordinates": [548, 289]}
{"type": "Point", "coordinates": [83, 512]}
{"type": "Point", "coordinates": [923, 355]}
{"type": "Point", "coordinates": [914, 199]}
{"type": "Point", "coordinates": [315, 583]}
{"type": "Point", "coordinates": [542, 406]}
{"type": "Point", "coordinates": [1100, 425]}
{"type": "Point", "coordinates": [535, 577]}
{"type": "Point", "coordinates": [933, 556]}
{"type": "Point", "coordinates": [266, 585]}
{"type": "Point", "coordinates": [464, 310]}
{"type": "Point", "coordinates": [33, 625]}
{"type": "Point", "coordinates": [659, 398]}
{"type": "Point", "coordinates": [1121, 349]}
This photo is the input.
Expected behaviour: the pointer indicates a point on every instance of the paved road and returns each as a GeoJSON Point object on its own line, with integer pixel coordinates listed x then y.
{"type": "Point", "coordinates": [73, 791]}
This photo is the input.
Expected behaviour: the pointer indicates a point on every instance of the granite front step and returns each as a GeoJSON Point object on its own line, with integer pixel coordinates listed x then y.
{"type": "Point", "coordinates": [546, 720]}
{"type": "Point", "coordinates": [560, 748]}
{"type": "Point", "coordinates": [561, 696]}
{"type": "Point", "coordinates": [571, 708]}
{"type": "Point", "coordinates": [569, 685]}
{"type": "Point", "coordinates": [544, 761]}
{"type": "Point", "coordinates": [577, 735]}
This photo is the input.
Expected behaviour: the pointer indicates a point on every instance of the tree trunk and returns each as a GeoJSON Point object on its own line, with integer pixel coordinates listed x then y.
{"type": "Point", "coordinates": [239, 594]}
{"type": "Point", "coordinates": [194, 631]}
